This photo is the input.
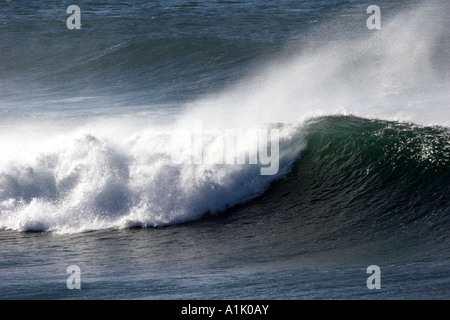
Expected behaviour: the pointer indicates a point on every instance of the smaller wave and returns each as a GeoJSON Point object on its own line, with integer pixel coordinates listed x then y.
{"type": "Point", "coordinates": [72, 100]}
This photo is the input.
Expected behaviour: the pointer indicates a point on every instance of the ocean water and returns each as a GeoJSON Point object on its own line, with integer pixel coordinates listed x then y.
{"type": "Point", "coordinates": [87, 144]}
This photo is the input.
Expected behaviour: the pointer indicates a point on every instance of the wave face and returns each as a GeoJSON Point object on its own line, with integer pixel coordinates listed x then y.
{"type": "Point", "coordinates": [364, 180]}
{"type": "Point", "coordinates": [86, 117]}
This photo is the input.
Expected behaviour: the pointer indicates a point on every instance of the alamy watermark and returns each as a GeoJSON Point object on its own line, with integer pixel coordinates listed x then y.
{"type": "Point", "coordinates": [373, 281]}
{"type": "Point", "coordinates": [229, 147]}
{"type": "Point", "coordinates": [74, 21]}
{"type": "Point", "coordinates": [374, 21]}
{"type": "Point", "coordinates": [74, 280]}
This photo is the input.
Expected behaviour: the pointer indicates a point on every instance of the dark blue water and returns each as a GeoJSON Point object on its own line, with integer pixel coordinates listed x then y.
{"type": "Point", "coordinates": [86, 177]}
